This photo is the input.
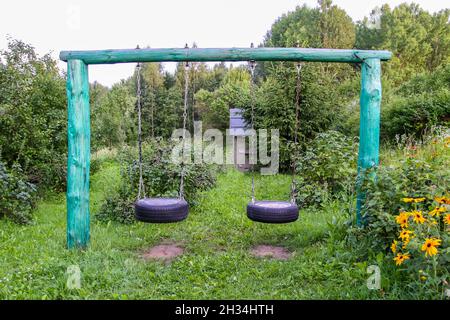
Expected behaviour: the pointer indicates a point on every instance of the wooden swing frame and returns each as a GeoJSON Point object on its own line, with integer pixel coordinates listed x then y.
{"type": "Point", "coordinates": [78, 162]}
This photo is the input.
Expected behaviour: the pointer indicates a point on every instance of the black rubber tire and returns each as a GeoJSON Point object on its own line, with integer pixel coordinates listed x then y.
{"type": "Point", "coordinates": [272, 211]}
{"type": "Point", "coordinates": [161, 210]}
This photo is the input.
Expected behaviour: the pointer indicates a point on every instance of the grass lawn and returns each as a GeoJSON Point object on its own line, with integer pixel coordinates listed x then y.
{"type": "Point", "coordinates": [216, 264]}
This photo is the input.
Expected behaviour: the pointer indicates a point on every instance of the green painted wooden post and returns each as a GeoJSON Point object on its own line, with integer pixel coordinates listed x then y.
{"type": "Point", "coordinates": [78, 162]}
{"type": "Point", "coordinates": [369, 126]}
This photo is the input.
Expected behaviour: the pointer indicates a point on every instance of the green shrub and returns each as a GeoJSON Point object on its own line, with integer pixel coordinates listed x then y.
{"type": "Point", "coordinates": [326, 168]}
{"type": "Point", "coordinates": [414, 175]}
{"type": "Point", "coordinates": [161, 179]}
{"type": "Point", "coordinates": [411, 180]}
{"type": "Point", "coordinates": [16, 194]}
{"type": "Point", "coordinates": [50, 175]}
{"type": "Point", "coordinates": [33, 118]}
{"type": "Point", "coordinates": [418, 104]}
{"type": "Point", "coordinates": [275, 106]}
{"type": "Point", "coordinates": [417, 113]}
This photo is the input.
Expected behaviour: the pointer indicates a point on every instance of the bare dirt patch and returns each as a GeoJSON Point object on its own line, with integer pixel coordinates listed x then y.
{"type": "Point", "coordinates": [162, 252]}
{"type": "Point", "coordinates": [274, 252]}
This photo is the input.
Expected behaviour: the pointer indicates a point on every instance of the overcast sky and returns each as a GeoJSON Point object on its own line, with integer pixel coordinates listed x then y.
{"type": "Point", "coordinates": [52, 25]}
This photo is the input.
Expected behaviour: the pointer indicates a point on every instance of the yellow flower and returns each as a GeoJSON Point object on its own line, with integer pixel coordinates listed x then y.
{"type": "Point", "coordinates": [423, 278]}
{"type": "Point", "coordinates": [400, 258]}
{"type": "Point", "coordinates": [416, 200]}
{"type": "Point", "coordinates": [437, 211]}
{"type": "Point", "coordinates": [405, 234]}
{"type": "Point", "coordinates": [402, 219]}
{"type": "Point", "coordinates": [430, 246]}
{"type": "Point", "coordinates": [447, 141]}
{"type": "Point", "coordinates": [447, 219]}
{"type": "Point", "coordinates": [418, 217]}
{"type": "Point", "coordinates": [442, 200]}
{"type": "Point", "coordinates": [405, 243]}
{"type": "Point", "coordinates": [394, 246]}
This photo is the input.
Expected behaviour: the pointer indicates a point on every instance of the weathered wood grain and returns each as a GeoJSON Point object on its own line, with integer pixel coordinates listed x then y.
{"type": "Point", "coordinates": [78, 162]}
{"type": "Point", "coordinates": [369, 126]}
{"type": "Point", "coordinates": [224, 54]}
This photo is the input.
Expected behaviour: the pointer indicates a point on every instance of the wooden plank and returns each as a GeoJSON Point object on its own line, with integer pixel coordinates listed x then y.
{"type": "Point", "coordinates": [78, 162]}
{"type": "Point", "coordinates": [224, 54]}
{"type": "Point", "coordinates": [369, 127]}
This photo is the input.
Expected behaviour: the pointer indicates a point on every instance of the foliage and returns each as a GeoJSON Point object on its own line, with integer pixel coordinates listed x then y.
{"type": "Point", "coordinates": [419, 40]}
{"type": "Point", "coordinates": [113, 121]}
{"type": "Point", "coordinates": [233, 92]}
{"type": "Point", "coordinates": [326, 169]}
{"type": "Point", "coordinates": [419, 104]}
{"type": "Point", "coordinates": [326, 26]}
{"type": "Point", "coordinates": [419, 172]}
{"type": "Point", "coordinates": [213, 107]}
{"type": "Point", "coordinates": [16, 195]}
{"type": "Point", "coordinates": [415, 114]}
{"type": "Point", "coordinates": [422, 246]}
{"type": "Point", "coordinates": [276, 109]}
{"type": "Point", "coordinates": [322, 93]}
{"type": "Point", "coordinates": [161, 179]}
{"type": "Point", "coordinates": [33, 113]}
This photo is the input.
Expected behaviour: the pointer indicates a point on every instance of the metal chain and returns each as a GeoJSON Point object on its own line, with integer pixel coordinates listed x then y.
{"type": "Point", "coordinates": [252, 65]}
{"type": "Point", "coordinates": [297, 124]}
{"type": "Point", "coordinates": [194, 67]}
{"type": "Point", "coordinates": [186, 88]}
{"type": "Point", "coordinates": [138, 95]}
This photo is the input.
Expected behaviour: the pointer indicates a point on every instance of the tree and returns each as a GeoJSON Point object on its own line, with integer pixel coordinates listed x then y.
{"type": "Point", "coordinates": [325, 87]}
{"type": "Point", "coordinates": [152, 91]}
{"type": "Point", "coordinates": [114, 121]}
{"type": "Point", "coordinates": [276, 108]}
{"type": "Point", "coordinates": [419, 41]}
{"type": "Point", "coordinates": [213, 107]}
{"type": "Point", "coordinates": [33, 113]}
{"type": "Point", "coordinates": [97, 94]}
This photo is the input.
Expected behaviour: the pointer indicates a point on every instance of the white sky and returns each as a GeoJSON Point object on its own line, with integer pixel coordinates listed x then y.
{"type": "Point", "coordinates": [52, 25]}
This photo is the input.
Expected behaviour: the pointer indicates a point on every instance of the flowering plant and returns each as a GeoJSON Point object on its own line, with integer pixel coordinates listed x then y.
{"type": "Point", "coordinates": [423, 244]}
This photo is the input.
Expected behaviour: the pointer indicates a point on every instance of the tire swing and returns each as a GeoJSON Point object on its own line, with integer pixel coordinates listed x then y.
{"type": "Point", "coordinates": [160, 210]}
{"type": "Point", "coordinates": [269, 211]}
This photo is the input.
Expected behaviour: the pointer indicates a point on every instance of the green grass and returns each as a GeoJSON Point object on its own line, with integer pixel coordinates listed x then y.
{"type": "Point", "coordinates": [216, 264]}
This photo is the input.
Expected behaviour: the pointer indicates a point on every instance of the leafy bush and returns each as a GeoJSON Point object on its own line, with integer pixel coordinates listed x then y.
{"type": "Point", "coordinates": [16, 194]}
{"type": "Point", "coordinates": [161, 179]}
{"type": "Point", "coordinates": [326, 168]}
{"type": "Point", "coordinates": [32, 114]}
{"type": "Point", "coordinates": [419, 176]}
{"type": "Point", "coordinates": [417, 113]}
{"type": "Point", "coordinates": [418, 104]}
{"type": "Point", "coordinates": [414, 175]}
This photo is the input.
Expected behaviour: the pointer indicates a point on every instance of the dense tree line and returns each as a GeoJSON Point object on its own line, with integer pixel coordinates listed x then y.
{"type": "Point", "coordinates": [420, 43]}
